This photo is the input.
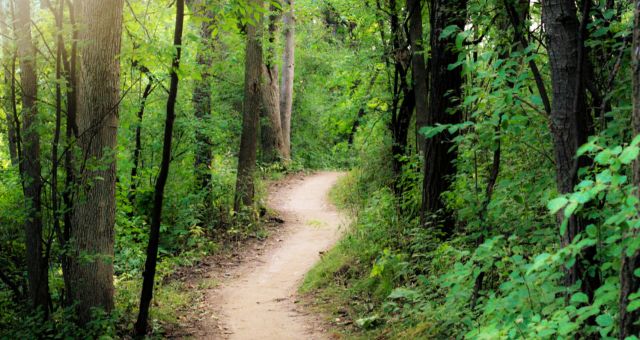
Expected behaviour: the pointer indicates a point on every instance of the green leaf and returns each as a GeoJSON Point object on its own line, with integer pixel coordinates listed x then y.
{"type": "Point", "coordinates": [448, 31]}
{"type": "Point", "coordinates": [635, 304]}
{"type": "Point", "coordinates": [557, 204]}
{"type": "Point", "coordinates": [570, 209]}
{"type": "Point", "coordinates": [403, 293]}
{"type": "Point", "coordinates": [579, 298]}
{"type": "Point", "coordinates": [604, 320]}
{"type": "Point", "coordinates": [592, 231]}
{"type": "Point", "coordinates": [629, 154]}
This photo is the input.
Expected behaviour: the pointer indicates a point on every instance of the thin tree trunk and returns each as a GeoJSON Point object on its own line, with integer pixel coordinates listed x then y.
{"type": "Point", "coordinates": [93, 215]}
{"type": "Point", "coordinates": [36, 264]}
{"type": "Point", "coordinates": [444, 96]}
{"type": "Point", "coordinates": [71, 134]}
{"type": "Point", "coordinates": [273, 146]}
{"type": "Point", "coordinates": [629, 282]}
{"type": "Point", "coordinates": [137, 151]}
{"type": "Point", "coordinates": [7, 61]}
{"type": "Point", "coordinates": [568, 112]}
{"type": "Point", "coordinates": [418, 67]}
{"type": "Point", "coordinates": [158, 195]}
{"type": "Point", "coordinates": [202, 96]}
{"type": "Point", "coordinates": [55, 163]}
{"type": "Point", "coordinates": [288, 71]}
{"type": "Point", "coordinates": [251, 113]}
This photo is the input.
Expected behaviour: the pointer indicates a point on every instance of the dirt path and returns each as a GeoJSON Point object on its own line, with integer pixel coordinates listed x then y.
{"type": "Point", "coordinates": [258, 301]}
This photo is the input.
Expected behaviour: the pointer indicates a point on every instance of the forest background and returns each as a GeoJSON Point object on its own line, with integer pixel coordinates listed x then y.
{"type": "Point", "coordinates": [494, 174]}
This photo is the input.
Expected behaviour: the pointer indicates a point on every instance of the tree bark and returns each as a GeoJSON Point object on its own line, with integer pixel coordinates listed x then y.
{"type": "Point", "coordinates": [403, 101]}
{"type": "Point", "coordinates": [8, 62]}
{"type": "Point", "coordinates": [567, 119]}
{"type": "Point", "coordinates": [37, 268]}
{"type": "Point", "coordinates": [273, 146]}
{"type": "Point", "coordinates": [629, 282]}
{"type": "Point", "coordinates": [98, 97]}
{"type": "Point", "coordinates": [202, 94]}
{"type": "Point", "coordinates": [288, 71]}
{"type": "Point", "coordinates": [418, 67]}
{"type": "Point", "coordinates": [251, 112]}
{"type": "Point", "coordinates": [137, 151]}
{"type": "Point", "coordinates": [444, 95]}
{"type": "Point", "coordinates": [158, 196]}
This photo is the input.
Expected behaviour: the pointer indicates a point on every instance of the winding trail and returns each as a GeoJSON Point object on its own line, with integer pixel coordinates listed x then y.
{"type": "Point", "coordinates": [259, 302]}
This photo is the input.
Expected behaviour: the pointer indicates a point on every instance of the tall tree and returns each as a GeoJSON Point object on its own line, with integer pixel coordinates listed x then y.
{"type": "Point", "coordinates": [568, 116]}
{"type": "Point", "coordinates": [8, 65]}
{"type": "Point", "coordinates": [445, 89]}
{"type": "Point", "coordinates": [202, 92]}
{"type": "Point", "coordinates": [37, 267]}
{"type": "Point", "coordinates": [251, 109]}
{"type": "Point", "coordinates": [273, 146]}
{"type": "Point", "coordinates": [403, 101]}
{"type": "Point", "coordinates": [288, 72]}
{"type": "Point", "coordinates": [629, 281]}
{"type": "Point", "coordinates": [158, 195]}
{"type": "Point", "coordinates": [418, 66]}
{"type": "Point", "coordinates": [97, 98]}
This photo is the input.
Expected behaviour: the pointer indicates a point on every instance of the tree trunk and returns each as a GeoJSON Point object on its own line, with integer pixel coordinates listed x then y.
{"type": "Point", "coordinates": [403, 101]}
{"type": "Point", "coordinates": [7, 64]}
{"type": "Point", "coordinates": [32, 182]}
{"type": "Point", "coordinates": [568, 112]}
{"type": "Point", "coordinates": [273, 146]}
{"type": "Point", "coordinates": [202, 96]}
{"type": "Point", "coordinates": [418, 67]}
{"type": "Point", "coordinates": [444, 96]}
{"type": "Point", "coordinates": [158, 195]}
{"type": "Point", "coordinates": [630, 283]}
{"type": "Point", "coordinates": [137, 151]}
{"type": "Point", "coordinates": [98, 97]}
{"type": "Point", "coordinates": [288, 70]}
{"type": "Point", "coordinates": [251, 113]}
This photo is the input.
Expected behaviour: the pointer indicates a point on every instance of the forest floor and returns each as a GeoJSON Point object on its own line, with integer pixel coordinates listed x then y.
{"type": "Point", "coordinates": [255, 296]}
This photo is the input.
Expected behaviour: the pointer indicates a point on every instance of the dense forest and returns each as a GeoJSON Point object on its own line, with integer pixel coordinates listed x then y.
{"type": "Point", "coordinates": [486, 155]}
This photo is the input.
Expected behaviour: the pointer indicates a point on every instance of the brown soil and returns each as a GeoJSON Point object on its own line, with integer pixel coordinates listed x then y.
{"type": "Point", "coordinates": [255, 289]}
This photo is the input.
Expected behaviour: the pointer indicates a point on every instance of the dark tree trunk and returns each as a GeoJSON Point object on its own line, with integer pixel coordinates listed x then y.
{"type": "Point", "coordinates": [137, 151]}
{"type": "Point", "coordinates": [98, 97]}
{"type": "Point", "coordinates": [158, 195]}
{"type": "Point", "coordinates": [202, 96]}
{"type": "Point", "coordinates": [403, 101]}
{"type": "Point", "coordinates": [400, 132]}
{"type": "Point", "coordinates": [629, 282]}
{"type": "Point", "coordinates": [444, 95]}
{"type": "Point", "coordinates": [568, 118]}
{"type": "Point", "coordinates": [71, 135]}
{"type": "Point", "coordinates": [418, 67]}
{"type": "Point", "coordinates": [251, 113]}
{"type": "Point", "coordinates": [37, 268]}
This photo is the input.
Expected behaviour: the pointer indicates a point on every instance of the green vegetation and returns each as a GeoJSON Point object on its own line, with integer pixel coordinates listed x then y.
{"type": "Point", "coordinates": [492, 149]}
